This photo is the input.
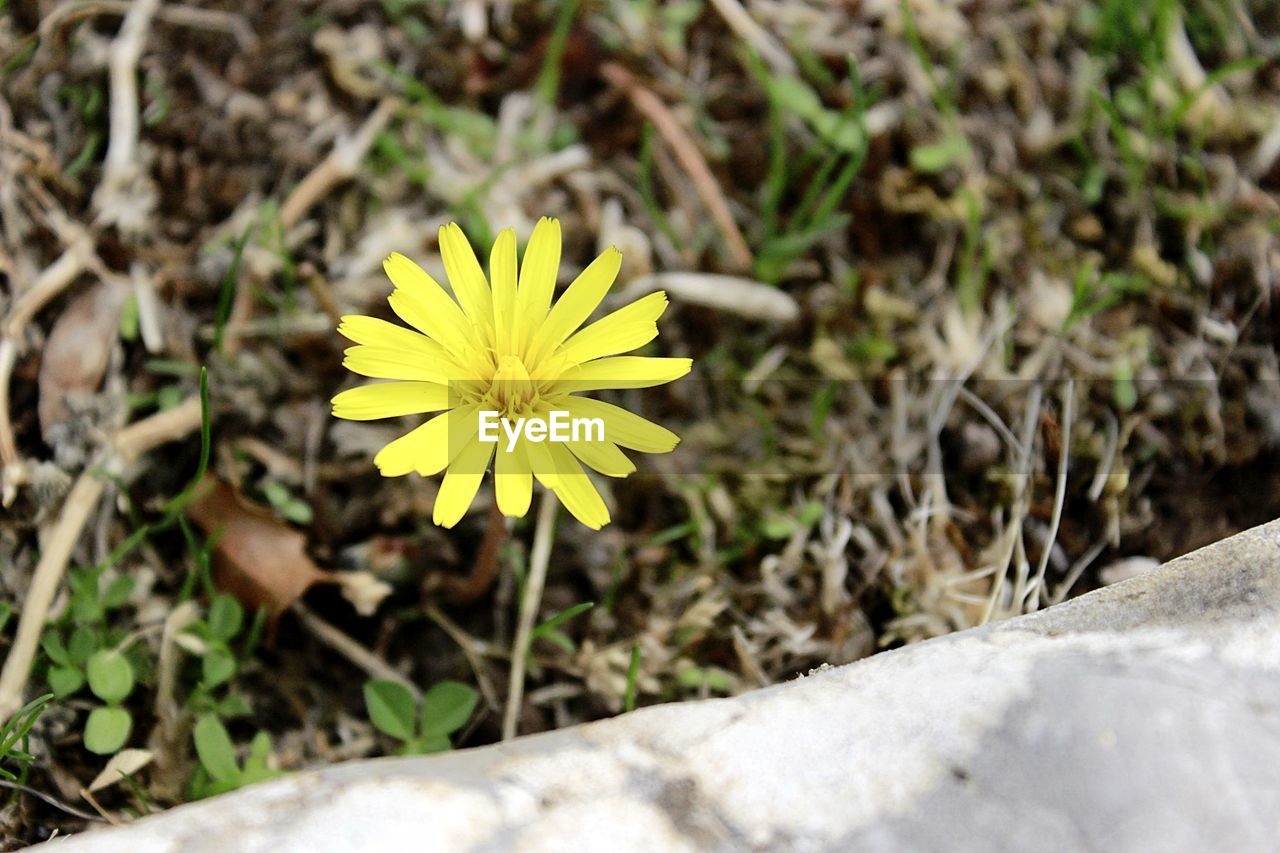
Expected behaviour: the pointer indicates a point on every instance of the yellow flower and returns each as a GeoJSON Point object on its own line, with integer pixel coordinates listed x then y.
{"type": "Point", "coordinates": [506, 350]}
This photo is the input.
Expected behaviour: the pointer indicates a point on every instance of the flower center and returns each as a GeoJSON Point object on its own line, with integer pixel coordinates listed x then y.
{"type": "Point", "coordinates": [512, 390]}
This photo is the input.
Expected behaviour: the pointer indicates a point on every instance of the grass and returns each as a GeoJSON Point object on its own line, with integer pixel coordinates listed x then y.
{"type": "Point", "coordinates": [838, 152]}
{"type": "Point", "coordinates": [15, 737]}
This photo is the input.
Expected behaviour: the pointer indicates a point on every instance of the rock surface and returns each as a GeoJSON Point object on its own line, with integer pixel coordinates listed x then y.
{"type": "Point", "coordinates": [1144, 716]}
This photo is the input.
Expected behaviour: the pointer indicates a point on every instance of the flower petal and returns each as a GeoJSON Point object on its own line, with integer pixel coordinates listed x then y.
{"type": "Point", "coordinates": [513, 480]}
{"type": "Point", "coordinates": [602, 456]}
{"type": "Point", "coordinates": [537, 280]}
{"type": "Point", "coordinates": [465, 276]}
{"type": "Point", "coordinates": [625, 371]}
{"type": "Point", "coordinates": [389, 363]}
{"type": "Point", "coordinates": [623, 427]}
{"type": "Point", "coordinates": [423, 304]}
{"type": "Point", "coordinates": [502, 272]}
{"type": "Point", "coordinates": [431, 447]}
{"type": "Point", "coordinates": [557, 469]}
{"type": "Point", "coordinates": [461, 482]}
{"type": "Point", "coordinates": [380, 333]}
{"type": "Point", "coordinates": [391, 400]}
{"type": "Point", "coordinates": [427, 444]}
{"type": "Point", "coordinates": [576, 304]}
{"type": "Point", "coordinates": [622, 331]}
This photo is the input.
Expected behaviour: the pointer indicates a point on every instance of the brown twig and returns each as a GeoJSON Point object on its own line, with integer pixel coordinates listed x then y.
{"type": "Point", "coordinates": [137, 438]}
{"type": "Point", "coordinates": [351, 650]}
{"type": "Point", "coordinates": [473, 650]}
{"type": "Point", "coordinates": [278, 463]}
{"type": "Point", "coordinates": [691, 159]}
{"type": "Point", "coordinates": [8, 445]}
{"type": "Point", "coordinates": [167, 710]}
{"type": "Point", "coordinates": [97, 806]}
{"type": "Point", "coordinates": [320, 289]}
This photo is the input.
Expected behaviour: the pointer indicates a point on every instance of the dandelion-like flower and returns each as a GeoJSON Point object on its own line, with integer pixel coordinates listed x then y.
{"type": "Point", "coordinates": [504, 352]}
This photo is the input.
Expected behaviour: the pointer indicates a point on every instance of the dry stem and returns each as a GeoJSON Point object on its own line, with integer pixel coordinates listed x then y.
{"type": "Point", "coordinates": [473, 649]}
{"type": "Point", "coordinates": [539, 558]}
{"type": "Point", "coordinates": [1059, 492]}
{"type": "Point", "coordinates": [366, 660]}
{"type": "Point", "coordinates": [121, 160]}
{"type": "Point", "coordinates": [189, 16]}
{"type": "Point", "coordinates": [341, 165]}
{"type": "Point", "coordinates": [125, 195]}
{"type": "Point", "coordinates": [741, 22]}
{"type": "Point", "coordinates": [691, 160]}
{"type": "Point", "coordinates": [44, 583]}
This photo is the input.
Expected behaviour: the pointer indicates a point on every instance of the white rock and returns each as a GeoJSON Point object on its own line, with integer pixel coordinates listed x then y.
{"type": "Point", "coordinates": [1138, 717]}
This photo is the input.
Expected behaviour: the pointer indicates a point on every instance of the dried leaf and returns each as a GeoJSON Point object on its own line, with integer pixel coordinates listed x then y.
{"type": "Point", "coordinates": [125, 762]}
{"type": "Point", "coordinates": [363, 589]}
{"type": "Point", "coordinates": [74, 358]}
{"type": "Point", "coordinates": [256, 558]}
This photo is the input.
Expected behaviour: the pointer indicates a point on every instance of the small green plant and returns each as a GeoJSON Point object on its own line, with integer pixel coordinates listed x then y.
{"type": "Point", "coordinates": [87, 101]}
{"type": "Point", "coordinates": [227, 289]}
{"type": "Point", "coordinates": [13, 738]}
{"type": "Point", "coordinates": [976, 258]}
{"type": "Point", "coordinates": [213, 699]}
{"type": "Point", "coordinates": [391, 154]}
{"type": "Point", "coordinates": [953, 148]}
{"type": "Point", "coordinates": [777, 525]}
{"type": "Point", "coordinates": [633, 679]}
{"type": "Point", "coordinates": [549, 630]}
{"type": "Point", "coordinates": [221, 643]}
{"type": "Point", "coordinates": [219, 770]}
{"type": "Point", "coordinates": [110, 677]}
{"type": "Point", "coordinates": [548, 85]}
{"type": "Point", "coordinates": [446, 708]}
{"type": "Point", "coordinates": [401, 13]}
{"type": "Point", "coordinates": [210, 640]}
{"type": "Point", "coordinates": [84, 650]}
{"type": "Point", "coordinates": [1129, 41]}
{"type": "Point", "coordinates": [290, 507]}
{"type": "Point", "coordinates": [1092, 293]}
{"type": "Point", "coordinates": [706, 679]}
{"type": "Point", "coordinates": [825, 169]}
{"type": "Point", "coordinates": [477, 129]}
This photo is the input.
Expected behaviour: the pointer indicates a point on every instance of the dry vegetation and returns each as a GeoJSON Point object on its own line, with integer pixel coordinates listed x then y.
{"type": "Point", "coordinates": [1004, 320]}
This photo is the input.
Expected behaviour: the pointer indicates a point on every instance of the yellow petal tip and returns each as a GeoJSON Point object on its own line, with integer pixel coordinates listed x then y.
{"type": "Point", "coordinates": [439, 519]}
